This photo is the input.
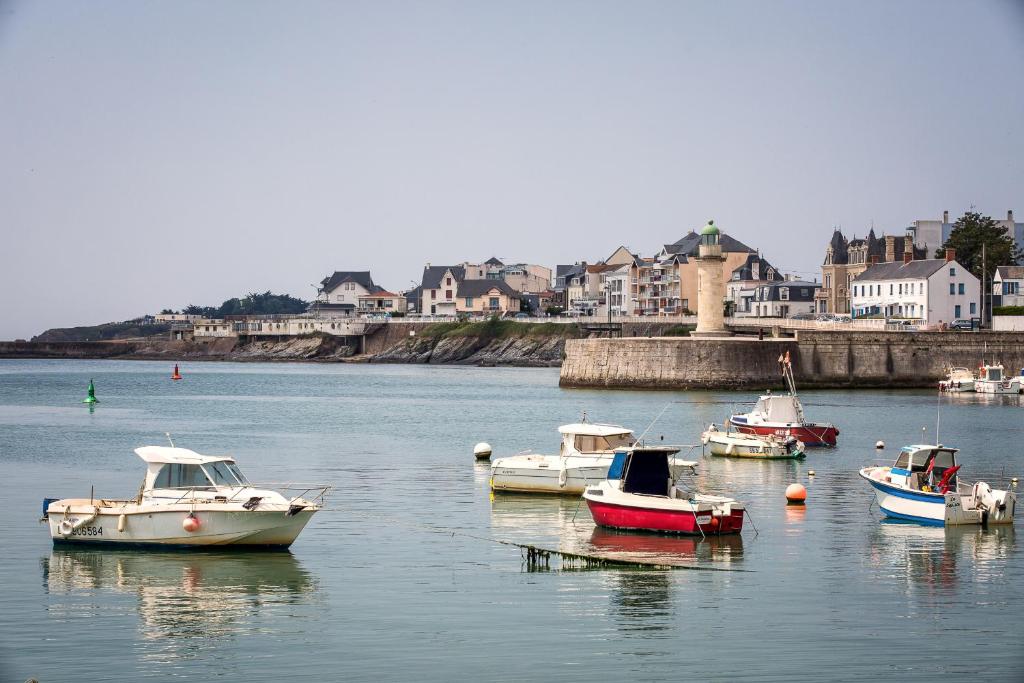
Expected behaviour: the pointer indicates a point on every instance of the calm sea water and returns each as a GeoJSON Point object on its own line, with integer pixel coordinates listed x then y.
{"type": "Point", "coordinates": [401, 579]}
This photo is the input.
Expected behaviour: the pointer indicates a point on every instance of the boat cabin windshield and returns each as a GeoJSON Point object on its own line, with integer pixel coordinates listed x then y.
{"type": "Point", "coordinates": [647, 474]}
{"type": "Point", "coordinates": [209, 475]}
{"type": "Point", "coordinates": [585, 443]}
{"type": "Point", "coordinates": [919, 459]}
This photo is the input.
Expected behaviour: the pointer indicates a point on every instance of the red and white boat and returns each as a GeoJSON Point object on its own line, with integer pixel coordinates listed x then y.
{"type": "Point", "coordinates": [640, 494]}
{"type": "Point", "coordinates": [783, 416]}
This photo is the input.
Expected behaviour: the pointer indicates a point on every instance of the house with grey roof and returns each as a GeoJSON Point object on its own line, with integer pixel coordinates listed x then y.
{"type": "Point", "coordinates": [741, 287]}
{"type": "Point", "coordinates": [1008, 286]}
{"type": "Point", "coordinates": [339, 293]}
{"type": "Point", "coordinates": [782, 299]}
{"type": "Point", "coordinates": [930, 291]}
{"type": "Point", "coordinates": [439, 289]}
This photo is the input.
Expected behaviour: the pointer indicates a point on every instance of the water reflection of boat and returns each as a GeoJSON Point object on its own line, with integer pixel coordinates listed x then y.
{"type": "Point", "coordinates": [642, 600]}
{"type": "Point", "coordinates": [653, 547]}
{"type": "Point", "coordinates": [198, 597]}
{"type": "Point", "coordinates": [935, 557]}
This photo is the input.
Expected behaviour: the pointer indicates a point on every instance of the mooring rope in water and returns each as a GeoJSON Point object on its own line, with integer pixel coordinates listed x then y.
{"type": "Point", "coordinates": [537, 556]}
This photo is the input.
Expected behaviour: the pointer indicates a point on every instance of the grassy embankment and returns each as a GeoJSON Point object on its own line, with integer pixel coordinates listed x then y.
{"type": "Point", "coordinates": [499, 329]}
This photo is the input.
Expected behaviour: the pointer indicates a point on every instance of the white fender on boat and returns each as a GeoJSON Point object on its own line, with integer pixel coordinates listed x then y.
{"type": "Point", "coordinates": [122, 522]}
{"type": "Point", "coordinates": [730, 449]}
{"type": "Point", "coordinates": [563, 477]}
{"type": "Point", "coordinates": [66, 527]}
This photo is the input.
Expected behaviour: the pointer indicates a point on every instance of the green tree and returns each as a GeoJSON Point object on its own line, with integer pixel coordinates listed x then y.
{"type": "Point", "coordinates": [970, 232]}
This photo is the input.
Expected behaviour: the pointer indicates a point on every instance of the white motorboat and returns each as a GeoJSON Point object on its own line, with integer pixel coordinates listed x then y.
{"type": "Point", "coordinates": [957, 380]}
{"type": "Point", "coordinates": [743, 445]}
{"type": "Point", "coordinates": [992, 379]}
{"type": "Point", "coordinates": [187, 500]}
{"type": "Point", "coordinates": [923, 486]}
{"type": "Point", "coordinates": [585, 454]}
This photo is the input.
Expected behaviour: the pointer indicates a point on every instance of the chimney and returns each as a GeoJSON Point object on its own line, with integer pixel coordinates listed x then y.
{"type": "Point", "coordinates": [945, 216]}
{"type": "Point", "coordinates": [907, 257]}
{"type": "Point", "coordinates": [1009, 215]}
{"type": "Point", "coordinates": [874, 259]}
{"type": "Point", "coordinates": [950, 255]}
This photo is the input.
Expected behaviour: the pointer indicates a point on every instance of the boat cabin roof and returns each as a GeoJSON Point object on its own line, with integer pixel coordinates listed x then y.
{"type": "Point", "coordinates": [592, 429]}
{"type": "Point", "coordinates": [779, 407]}
{"type": "Point", "coordinates": [167, 454]}
{"type": "Point", "coordinates": [643, 470]}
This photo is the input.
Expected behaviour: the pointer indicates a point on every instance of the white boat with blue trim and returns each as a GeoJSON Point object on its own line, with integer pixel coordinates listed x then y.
{"type": "Point", "coordinates": [923, 486]}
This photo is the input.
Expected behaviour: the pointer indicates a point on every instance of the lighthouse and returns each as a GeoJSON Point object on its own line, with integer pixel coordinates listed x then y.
{"type": "Point", "coordinates": [710, 285]}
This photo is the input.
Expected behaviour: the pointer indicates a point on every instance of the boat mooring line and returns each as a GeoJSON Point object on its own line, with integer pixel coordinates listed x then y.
{"type": "Point", "coordinates": [539, 557]}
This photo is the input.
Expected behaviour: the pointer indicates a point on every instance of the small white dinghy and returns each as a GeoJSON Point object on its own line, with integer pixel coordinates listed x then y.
{"type": "Point", "coordinates": [742, 445]}
{"type": "Point", "coordinates": [186, 500]}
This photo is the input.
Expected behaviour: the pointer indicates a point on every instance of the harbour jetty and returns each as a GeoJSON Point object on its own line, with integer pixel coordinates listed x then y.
{"type": "Point", "coordinates": [823, 359]}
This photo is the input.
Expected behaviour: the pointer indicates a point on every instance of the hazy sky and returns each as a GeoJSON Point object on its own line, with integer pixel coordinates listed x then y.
{"type": "Point", "coordinates": [156, 154]}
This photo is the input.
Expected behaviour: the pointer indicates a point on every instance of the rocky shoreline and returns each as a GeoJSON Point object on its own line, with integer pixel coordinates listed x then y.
{"type": "Point", "coordinates": [524, 352]}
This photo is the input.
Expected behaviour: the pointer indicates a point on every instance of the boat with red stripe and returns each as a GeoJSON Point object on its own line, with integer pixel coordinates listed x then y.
{"type": "Point", "coordinates": [782, 415]}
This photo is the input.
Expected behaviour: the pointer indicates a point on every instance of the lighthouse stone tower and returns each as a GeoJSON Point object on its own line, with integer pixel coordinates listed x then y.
{"type": "Point", "coordinates": [710, 285]}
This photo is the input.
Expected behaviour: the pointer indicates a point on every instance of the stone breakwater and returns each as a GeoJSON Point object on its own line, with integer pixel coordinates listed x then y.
{"type": "Point", "coordinates": [820, 359]}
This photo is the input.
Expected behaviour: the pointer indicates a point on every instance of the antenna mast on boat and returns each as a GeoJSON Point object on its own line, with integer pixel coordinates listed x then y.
{"type": "Point", "coordinates": [168, 435]}
{"type": "Point", "coordinates": [656, 418]}
{"type": "Point", "coordinates": [787, 374]}
{"type": "Point", "coordinates": [938, 413]}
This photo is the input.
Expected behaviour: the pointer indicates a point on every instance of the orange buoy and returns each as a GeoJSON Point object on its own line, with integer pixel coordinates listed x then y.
{"type": "Point", "coordinates": [175, 374]}
{"type": "Point", "coordinates": [190, 524]}
{"type": "Point", "coordinates": [796, 494]}
{"type": "Point", "coordinates": [715, 522]}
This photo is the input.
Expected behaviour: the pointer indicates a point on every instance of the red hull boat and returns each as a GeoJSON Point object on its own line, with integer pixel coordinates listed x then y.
{"type": "Point", "coordinates": [783, 416]}
{"type": "Point", "coordinates": [639, 494]}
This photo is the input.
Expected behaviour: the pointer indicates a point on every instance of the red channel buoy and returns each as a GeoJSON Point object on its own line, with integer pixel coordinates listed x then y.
{"type": "Point", "coordinates": [175, 375]}
{"type": "Point", "coordinates": [190, 524]}
{"type": "Point", "coordinates": [796, 494]}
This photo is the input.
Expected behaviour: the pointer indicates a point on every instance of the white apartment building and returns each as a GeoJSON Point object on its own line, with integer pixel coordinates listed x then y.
{"type": "Point", "coordinates": [931, 291]}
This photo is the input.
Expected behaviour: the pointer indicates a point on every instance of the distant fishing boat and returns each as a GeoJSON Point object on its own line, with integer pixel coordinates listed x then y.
{"type": "Point", "coordinates": [958, 380]}
{"type": "Point", "coordinates": [186, 500]}
{"type": "Point", "coordinates": [992, 379]}
{"type": "Point", "coordinates": [640, 494]}
{"type": "Point", "coordinates": [923, 486]}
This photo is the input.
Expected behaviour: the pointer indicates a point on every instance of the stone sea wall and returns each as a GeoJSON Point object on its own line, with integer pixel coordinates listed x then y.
{"type": "Point", "coordinates": [820, 359]}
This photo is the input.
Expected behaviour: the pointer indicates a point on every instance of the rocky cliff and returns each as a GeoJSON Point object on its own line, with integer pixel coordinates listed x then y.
{"type": "Point", "coordinates": [535, 351]}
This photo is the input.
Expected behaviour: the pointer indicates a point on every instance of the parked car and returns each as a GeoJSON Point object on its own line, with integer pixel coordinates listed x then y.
{"type": "Point", "coordinates": [963, 324]}
{"type": "Point", "coordinates": [522, 316]}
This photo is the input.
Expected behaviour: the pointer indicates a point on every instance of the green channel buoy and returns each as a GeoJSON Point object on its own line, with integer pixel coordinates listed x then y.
{"type": "Point", "coordinates": [91, 398]}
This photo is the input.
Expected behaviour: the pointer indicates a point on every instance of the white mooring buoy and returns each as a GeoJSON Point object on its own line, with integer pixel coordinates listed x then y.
{"type": "Point", "coordinates": [482, 451]}
{"type": "Point", "coordinates": [879, 445]}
